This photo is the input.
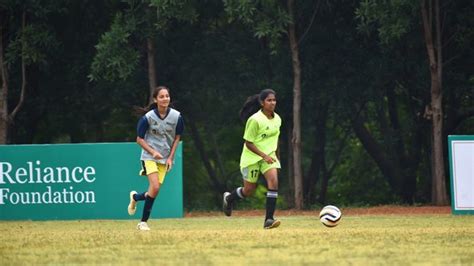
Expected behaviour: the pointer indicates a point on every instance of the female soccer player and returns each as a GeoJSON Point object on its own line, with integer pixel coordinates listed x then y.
{"type": "Point", "coordinates": [159, 131]}
{"type": "Point", "coordinates": [259, 153]}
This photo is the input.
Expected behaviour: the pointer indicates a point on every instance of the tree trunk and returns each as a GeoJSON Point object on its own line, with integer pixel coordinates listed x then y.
{"type": "Point", "coordinates": [291, 181]}
{"type": "Point", "coordinates": [216, 185]}
{"type": "Point", "coordinates": [3, 94]}
{"type": "Point", "coordinates": [324, 180]}
{"type": "Point", "coordinates": [406, 164]}
{"type": "Point", "coordinates": [18, 106]}
{"type": "Point", "coordinates": [313, 174]}
{"type": "Point", "coordinates": [151, 66]}
{"type": "Point", "coordinates": [215, 147]}
{"type": "Point", "coordinates": [385, 165]}
{"type": "Point", "coordinates": [435, 111]}
{"type": "Point", "coordinates": [5, 118]}
{"type": "Point", "coordinates": [317, 158]}
{"type": "Point", "coordinates": [327, 173]}
{"type": "Point", "coordinates": [296, 136]}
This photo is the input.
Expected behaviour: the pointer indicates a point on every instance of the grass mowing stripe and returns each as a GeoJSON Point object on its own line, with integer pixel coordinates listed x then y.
{"type": "Point", "coordinates": [426, 239]}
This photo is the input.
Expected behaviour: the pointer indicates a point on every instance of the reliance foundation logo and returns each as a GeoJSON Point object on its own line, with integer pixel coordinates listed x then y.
{"type": "Point", "coordinates": [34, 174]}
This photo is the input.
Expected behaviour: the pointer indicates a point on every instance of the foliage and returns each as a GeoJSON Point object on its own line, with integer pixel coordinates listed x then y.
{"type": "Point", "coordinates": [32, 45]}
{"type": "Point", "coordinates": [168, 10]}
{"type": "Point", "coordinates": [391, 19]}
{"type": "Point", "coordinates": [115, 59]}
{"type": "Point", "coordinates": [354, 53]}
{"type": "Point", "coordinates": [27, 35]}
{"type": "Point", "coordinates": [267, 19]}
{"type": "Point", "coordinates": [118, 51]}
{"type": "Point", "coordinates": [357, 181]}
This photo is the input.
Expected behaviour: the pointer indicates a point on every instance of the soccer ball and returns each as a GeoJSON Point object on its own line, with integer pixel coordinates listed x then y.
{"type": "Point", "coordinates": [330, 215]}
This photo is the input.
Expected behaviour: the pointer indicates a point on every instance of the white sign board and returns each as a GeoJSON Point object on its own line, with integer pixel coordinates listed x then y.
{"type": "Point", "coordinates": [461, 161]}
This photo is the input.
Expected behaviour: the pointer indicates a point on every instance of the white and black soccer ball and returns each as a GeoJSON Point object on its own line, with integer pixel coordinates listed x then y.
{"type": "Point", "coordinates": [330, 215]}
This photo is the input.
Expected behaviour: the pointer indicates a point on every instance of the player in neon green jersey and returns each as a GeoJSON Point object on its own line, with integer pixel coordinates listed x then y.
{"type": "Point", "coordinates": [259, 153]}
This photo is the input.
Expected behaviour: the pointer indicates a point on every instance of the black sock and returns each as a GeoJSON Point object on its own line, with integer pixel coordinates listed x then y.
{"type": "Point", "coordinates": [235, 195]}
{"type": "Point", "coordinates": [272, 196]}
{"type": "Point", "coordinates": [139, 196]}
{"type": "Point", "coordinates": [147, 208]}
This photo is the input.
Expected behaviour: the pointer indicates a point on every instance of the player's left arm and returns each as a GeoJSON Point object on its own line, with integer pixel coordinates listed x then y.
{"type": "Point", "coordinates": [174, 146]}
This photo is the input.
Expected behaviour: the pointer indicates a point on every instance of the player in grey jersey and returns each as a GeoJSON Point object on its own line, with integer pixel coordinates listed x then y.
{"type": "Point", "coordinates": [158, 133]}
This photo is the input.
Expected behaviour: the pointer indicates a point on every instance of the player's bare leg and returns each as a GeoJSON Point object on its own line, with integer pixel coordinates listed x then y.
{"type": "Point", "coordinates": [239, 193]}
{"type": "Point", "coordinates": [153, 190]}
{"type": "Point", "coordinates": [272, 183]}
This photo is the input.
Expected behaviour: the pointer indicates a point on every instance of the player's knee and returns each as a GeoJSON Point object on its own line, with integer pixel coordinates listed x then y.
{"type": "Point", "coordinates": [248, 191]}
{"type": "Point", "coordinates": [154, 189]}
{"type": "Point", "coordinates": [272, 184]}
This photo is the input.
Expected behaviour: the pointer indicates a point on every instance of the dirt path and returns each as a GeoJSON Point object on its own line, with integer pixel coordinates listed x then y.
{"type": "Point", "coordinates": [377, 210]}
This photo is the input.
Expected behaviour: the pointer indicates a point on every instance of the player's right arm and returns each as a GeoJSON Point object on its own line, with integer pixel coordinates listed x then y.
{"type": "Point", "coordinates": [142, 127]}
{"type": "Point", "coordinates": [255, 150]}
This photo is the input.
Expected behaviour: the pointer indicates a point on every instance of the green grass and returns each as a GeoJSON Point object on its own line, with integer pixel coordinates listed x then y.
{"type": "Point", "coordinates": [417, 239]}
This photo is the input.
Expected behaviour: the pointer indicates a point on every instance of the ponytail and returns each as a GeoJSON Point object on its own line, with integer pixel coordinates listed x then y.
{"type": "Point", "coordinates": [138, 110]}
{"type": "Point", "coordinates": [254, 103]}
{"type": "Point", "coordinates": [251, 106]}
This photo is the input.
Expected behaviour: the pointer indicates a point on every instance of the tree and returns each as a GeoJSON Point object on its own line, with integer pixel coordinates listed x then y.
{"type": "Point", "coordinates": [364, 136]}
{"type": "Point", "coordinates": [23, 41]}
{"type": "Point", "coordinates": [433, 35]}
{"type": "Point", "coordinates": [296, 133]}
{"type": "Point", "coordinates": [117, 54]}
{"type": "Point", "coordinates": [269, 20]}
{"type": "Point", "coordinates": [395, 20]}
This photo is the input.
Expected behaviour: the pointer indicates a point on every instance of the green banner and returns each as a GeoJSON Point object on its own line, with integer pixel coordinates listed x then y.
{"type": "Point", "coordinates": [81, 181]}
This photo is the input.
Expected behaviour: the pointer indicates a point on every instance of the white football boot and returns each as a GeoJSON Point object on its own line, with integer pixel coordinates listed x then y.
{"type": "Point", "coordinates": [132, 206]}
{"type": "Point", "coordinates": [143, 226]}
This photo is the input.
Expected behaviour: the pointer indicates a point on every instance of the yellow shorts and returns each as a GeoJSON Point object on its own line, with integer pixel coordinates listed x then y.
{"type": "Point", "coordinates": [150, 167]}
{"type": "Point", "coordinates": [252, 172]}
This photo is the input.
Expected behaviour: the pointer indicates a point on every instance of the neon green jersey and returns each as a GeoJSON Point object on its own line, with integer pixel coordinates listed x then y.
{"type": "Point", "coordinates": [262, 132]}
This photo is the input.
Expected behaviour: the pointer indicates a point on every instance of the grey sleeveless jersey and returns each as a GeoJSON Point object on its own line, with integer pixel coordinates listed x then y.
{"type": "Point", "coordinates": [160, 134]}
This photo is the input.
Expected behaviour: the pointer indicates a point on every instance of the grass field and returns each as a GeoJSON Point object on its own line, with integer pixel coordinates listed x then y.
{"type": "Point", "coordinates": [365, 239]}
